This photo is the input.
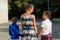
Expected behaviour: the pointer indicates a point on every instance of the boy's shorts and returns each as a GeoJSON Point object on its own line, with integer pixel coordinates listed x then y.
{"type": "Point", "coordinates": [46, 37]}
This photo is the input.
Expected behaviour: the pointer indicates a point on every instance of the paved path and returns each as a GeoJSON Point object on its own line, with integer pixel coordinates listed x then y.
{"type": "Point", "coordinates": [4, 35]}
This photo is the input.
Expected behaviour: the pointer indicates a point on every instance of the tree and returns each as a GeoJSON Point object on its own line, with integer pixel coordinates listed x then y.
{"type": "Point", "coordinates": [17, 7]}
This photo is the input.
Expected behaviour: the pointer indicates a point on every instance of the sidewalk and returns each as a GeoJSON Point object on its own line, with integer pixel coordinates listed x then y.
{"type": "Point", "coordinates": [4, 35]}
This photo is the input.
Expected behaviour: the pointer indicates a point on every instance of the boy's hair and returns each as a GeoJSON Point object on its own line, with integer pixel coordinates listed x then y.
{"type": "Point", "coordinates": [14, 19]}
{"type": "Point", "coordinates": [48, 13]}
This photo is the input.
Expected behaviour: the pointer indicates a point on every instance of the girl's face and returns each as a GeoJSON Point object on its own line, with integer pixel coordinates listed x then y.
{"type": "Point", "coordinates": [44, 16]}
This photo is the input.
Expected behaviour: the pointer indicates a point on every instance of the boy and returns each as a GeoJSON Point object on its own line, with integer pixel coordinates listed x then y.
{"type": "Point", "coordinates": [46, 27]}
{"type": "Point", "coordinates": [14, 29]}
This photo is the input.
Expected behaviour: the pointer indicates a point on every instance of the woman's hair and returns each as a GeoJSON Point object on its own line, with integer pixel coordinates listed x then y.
{"type": "Point", "coordinates": [29, 6]}
{"type": "Point", "coordinates": [48, 13]}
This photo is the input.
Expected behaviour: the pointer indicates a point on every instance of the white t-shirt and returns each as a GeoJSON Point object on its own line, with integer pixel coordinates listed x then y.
{"type": "Point", "coordinates": [47, 25]}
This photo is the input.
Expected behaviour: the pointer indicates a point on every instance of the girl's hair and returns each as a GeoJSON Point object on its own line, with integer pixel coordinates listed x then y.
{"type": "Point", "coordinates": [29, 6]}
{"type": "Point", "coordinates": [48, 13]}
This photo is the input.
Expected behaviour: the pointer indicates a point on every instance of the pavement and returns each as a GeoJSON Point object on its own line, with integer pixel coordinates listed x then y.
{"type": "Point", "coordinates": [4, 34]}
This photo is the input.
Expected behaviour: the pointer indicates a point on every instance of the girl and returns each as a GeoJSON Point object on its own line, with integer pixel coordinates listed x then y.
{"type": "Point", "coordinates": [28, 22]}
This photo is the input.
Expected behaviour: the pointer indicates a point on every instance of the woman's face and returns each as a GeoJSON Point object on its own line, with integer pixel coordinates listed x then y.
{"type": "Point", "coordinates": [29, 11]}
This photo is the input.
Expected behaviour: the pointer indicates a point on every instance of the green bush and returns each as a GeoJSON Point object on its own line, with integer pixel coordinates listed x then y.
{"type": "Point", "coordinates": [56, 20]}
{"type": "Point", "coordinates": [16, 7]}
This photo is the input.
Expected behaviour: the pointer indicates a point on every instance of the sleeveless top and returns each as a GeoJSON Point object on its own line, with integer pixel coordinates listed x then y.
{"type": "Point", "coordinates": [28, 29]}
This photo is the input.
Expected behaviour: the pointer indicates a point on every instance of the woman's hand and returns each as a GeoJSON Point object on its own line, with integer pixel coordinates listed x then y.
{"type": "Point", "coordinates": [38, 36]}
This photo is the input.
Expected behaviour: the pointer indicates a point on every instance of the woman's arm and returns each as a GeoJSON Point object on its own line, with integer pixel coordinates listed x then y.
{"type": "Point", "coordinates": [21, 23]}
{"type": "Point", "coordinates": [34, 21]}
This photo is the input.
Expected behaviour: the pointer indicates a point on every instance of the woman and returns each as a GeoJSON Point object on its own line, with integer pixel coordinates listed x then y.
{"type": "Point", "coordinates": [28, 23]}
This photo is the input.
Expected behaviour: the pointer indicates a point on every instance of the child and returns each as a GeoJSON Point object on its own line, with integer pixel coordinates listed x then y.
{"type": "Point", "coordinates": [46, 31]}
{"type": "Point", "coordinates": [28, 23]}
{"type": "Point", "coordinates": [14, 29]}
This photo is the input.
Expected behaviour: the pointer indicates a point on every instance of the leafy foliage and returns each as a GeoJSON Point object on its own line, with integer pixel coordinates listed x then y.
{"type": "Point", "coordinates": [16, 7]}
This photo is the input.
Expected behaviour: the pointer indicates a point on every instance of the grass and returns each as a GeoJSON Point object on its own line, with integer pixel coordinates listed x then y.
{"type": "Point", "coordinates": [56, 20]}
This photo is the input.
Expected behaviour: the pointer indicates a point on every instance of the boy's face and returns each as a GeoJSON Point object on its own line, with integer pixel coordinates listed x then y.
{"type": "Point", "coordinates": [44, 16]}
